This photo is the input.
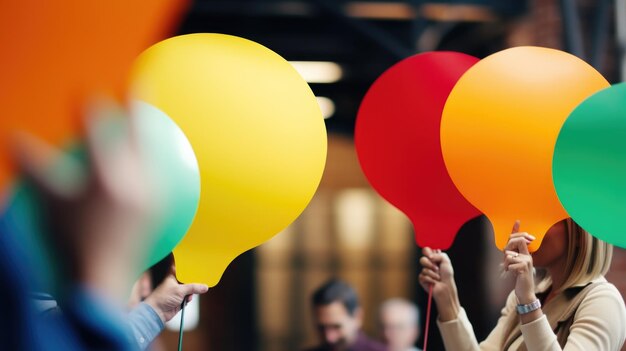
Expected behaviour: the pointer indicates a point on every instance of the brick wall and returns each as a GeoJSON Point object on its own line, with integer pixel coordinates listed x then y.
{"type": "Point", "coordinates": [617, 274]}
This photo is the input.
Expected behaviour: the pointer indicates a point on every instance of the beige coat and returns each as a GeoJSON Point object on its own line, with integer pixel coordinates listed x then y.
{"type": "Point", "coordinates": [597, 324]}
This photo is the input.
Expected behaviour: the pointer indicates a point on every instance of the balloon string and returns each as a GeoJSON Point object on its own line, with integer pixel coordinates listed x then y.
{"type": "Point", "coordinates": [182, 319]}
{"type": "Point", "coordinates": [430, 299]}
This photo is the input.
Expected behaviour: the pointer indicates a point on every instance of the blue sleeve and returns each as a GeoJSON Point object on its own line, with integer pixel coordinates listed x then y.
{"type": "Point", "coordinates": [85, 324]}
{"type": "Point", "coordinates": [145, 324]}
{"type": "Point", "coordinates": [99, 323]}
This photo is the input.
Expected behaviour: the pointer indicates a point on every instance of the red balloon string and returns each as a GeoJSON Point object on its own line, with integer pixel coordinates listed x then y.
{"type": "Point", "coordinates": [430, 299]}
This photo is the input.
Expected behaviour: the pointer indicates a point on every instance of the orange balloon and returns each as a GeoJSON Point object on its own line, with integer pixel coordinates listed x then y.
{"type": "Point", "coordinates": [57, 53]}
{"type": "Point", "coordinates": [498, 131]}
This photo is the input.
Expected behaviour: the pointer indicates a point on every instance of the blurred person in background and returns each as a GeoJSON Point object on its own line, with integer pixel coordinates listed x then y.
{"type": "Point", "coordinates": [399, 324]}
{"type": "Point", "coordinates": [338, 318]}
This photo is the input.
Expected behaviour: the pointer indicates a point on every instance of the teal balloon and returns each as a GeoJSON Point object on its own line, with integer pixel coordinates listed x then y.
{"type": "Point", "coordinates": [174, 169]}
{"type": "Point", "coordinates": [589, 164]}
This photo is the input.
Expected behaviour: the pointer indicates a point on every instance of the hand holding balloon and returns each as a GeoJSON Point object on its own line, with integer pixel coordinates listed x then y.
{"type": "Point", "coordinates": [167, 297]}
{"type": "Point", "coordinates": [437, 271]}
{"type": "Point", "coordinates": [398, 144]}
{"type": "Point", "coordinates": [517, 259]}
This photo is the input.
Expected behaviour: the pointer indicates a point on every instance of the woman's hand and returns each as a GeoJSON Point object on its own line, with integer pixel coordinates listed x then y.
{"type": "Point", "coordinates": [167, 298]}
{"type": "Point", "coordinates": [437, 272]}
{"type": "Point", "coordinates": [518, 261]}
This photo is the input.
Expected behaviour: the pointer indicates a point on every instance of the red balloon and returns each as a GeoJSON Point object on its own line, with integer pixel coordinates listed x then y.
{"type": "Point", "coordinates": [398, 145]}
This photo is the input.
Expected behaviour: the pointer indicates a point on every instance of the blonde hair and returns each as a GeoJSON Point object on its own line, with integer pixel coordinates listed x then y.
{"type": "Point", "coordinates": [587, 257]}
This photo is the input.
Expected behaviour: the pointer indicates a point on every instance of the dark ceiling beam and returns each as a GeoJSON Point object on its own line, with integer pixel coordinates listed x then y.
{"type": "Point", "coordinates": [378, 36]}
{"type": "Point", "coordinates": [255, 8]}
{"type": "Point", "coordinates": [600, 34]}
{"type": "Point", "coordinates": [620, 23]}
{"type": "Point", "coordinates": [598, 37]}
{"type": "Point", "coordinates": [572, 28]}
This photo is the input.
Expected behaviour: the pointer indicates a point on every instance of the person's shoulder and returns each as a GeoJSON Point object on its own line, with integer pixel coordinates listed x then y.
{"type": "Point", "coordinates": [605, 290]}
{"type": "Point", "coordinates": [370, 344]}
{"type": "Point", "coordinates": [379, 347]}
{"type": "Point", "coordinates": [374, 346]}
{"type": "Point", "coordinates": [604, 299]}
{"type": "Point", "coordinates": [602, 310]}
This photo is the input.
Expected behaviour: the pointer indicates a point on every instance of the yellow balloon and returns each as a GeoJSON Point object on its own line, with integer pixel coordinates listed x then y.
{"type": "Point", "coordinates": [258, 134]}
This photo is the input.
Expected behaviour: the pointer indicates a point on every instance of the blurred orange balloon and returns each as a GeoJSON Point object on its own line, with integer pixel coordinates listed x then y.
{"type": "Point", "coordinates": [57, 53]}
{"type": "Point", "coordinates": [498, 131]}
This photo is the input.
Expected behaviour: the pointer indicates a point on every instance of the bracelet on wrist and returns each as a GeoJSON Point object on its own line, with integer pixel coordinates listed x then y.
{"type": "Point", "coordinates": [529, 307]}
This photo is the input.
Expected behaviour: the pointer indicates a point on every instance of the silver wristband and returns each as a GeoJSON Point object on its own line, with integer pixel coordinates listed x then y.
{"type": "Point", "coordinates": [527, 308]}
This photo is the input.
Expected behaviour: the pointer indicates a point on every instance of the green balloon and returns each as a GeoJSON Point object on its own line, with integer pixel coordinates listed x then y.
{"type": "Point", "coordinates": [172, 162]}
{"type": "Point", "coordinates": [589, 164]}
